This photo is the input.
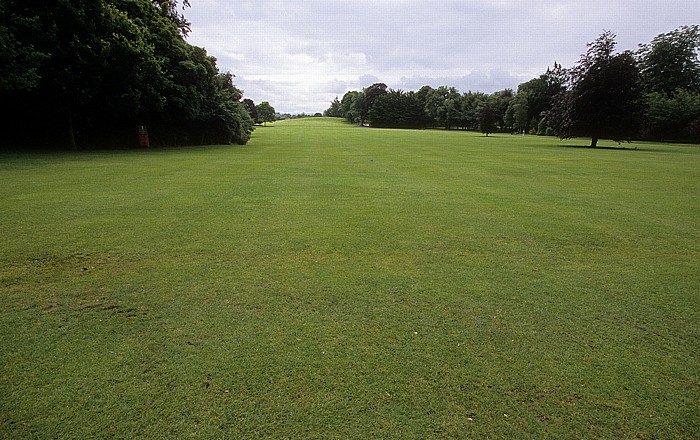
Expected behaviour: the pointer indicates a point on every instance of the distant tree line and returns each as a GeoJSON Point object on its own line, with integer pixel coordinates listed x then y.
{"type": "Point", "coordinates": [653, 93]}
{"type": "Point", "coordinates": [302, 115]}
{"type": "Point", "coordinates": [89, 72]}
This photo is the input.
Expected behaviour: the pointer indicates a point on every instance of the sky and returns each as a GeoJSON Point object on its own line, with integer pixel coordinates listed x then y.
{"type": "Point", "coordinates": [300, 54]}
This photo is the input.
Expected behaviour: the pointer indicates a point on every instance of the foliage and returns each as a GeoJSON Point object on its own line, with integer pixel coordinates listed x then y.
{"type": "Point", "coordinates": [671, 62]}
{"type": "Point", "coordinates": [252, 110]}
{"type": "Point", "coordinates": [266, 112]}
{"type": "Point", "coordinates": [351, 106]}
{"type": "Point", "coordinates": [90, 71]}
{"type": "Point", "coordinates": [670, 117]}
{"type": "Point", "coordinates": [535, 98]}
{"type": "Point", "coordinates": [604, 95]}
{"type": "Point", "coordinates": [488, 119]}
{"type": "Point", "coordinates": [397, 109]}
{"type": "Point", "coordinates": [443, 106]}
{"type": "Point", "coordinates": [605, 98]}
{"type": "Point", "coordinates": [670, 72]}
{"type": "Point", "coordinates": [335, 110]}
{"type": "Point", "coordinates": [516, 115]}
{"type": "Point", "coordinates": [371, 93]}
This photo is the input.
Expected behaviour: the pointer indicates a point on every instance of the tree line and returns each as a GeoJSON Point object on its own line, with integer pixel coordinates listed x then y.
{"type": "Point", "coordinates": [89, 72]}
{"type": "Point", "coordinates": [652, 93]}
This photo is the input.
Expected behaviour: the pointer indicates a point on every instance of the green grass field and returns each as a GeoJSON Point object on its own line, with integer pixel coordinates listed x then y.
{"type": "Point", "coordinates": [329, 281]}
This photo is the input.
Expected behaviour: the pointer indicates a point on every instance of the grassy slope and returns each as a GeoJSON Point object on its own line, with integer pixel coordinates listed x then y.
{"type": "Point", "coordinates": [328, 280]}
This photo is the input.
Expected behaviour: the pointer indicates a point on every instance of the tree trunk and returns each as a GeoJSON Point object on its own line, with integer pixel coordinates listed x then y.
{"type": "Point", "coordinates": [594, 142]}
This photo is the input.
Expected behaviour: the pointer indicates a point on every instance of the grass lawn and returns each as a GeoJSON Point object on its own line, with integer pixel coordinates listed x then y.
{"type": "Point", "coordinates": [331, 281]}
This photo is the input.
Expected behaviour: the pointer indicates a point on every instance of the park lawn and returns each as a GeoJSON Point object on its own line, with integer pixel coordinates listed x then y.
{"type": "Point", "coordinates": [332, 281]}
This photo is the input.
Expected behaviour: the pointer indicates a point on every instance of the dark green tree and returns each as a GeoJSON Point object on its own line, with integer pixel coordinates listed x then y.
{"type": "Point", "coordinates": [670, 62]}
{"type": "Point", "coordinates": [537, 96]}
{"type": "Point", "coordinates": [21, 59]}
{"type": "Point", "coordinates": [517, 113]}
{"type": "Point", "coordinates": [670, 72]}
{"type": "Point", "coordinates": [371, 94]}
{"type": "Point", "coordinates": [488, 118]}
{"type": "Point", "coordinates": [470, 105]}
{"type": "Point", "coordinates": [252, 110]}
{"type": "Point", "coordinates": [397, 109]}
{"type": "Point", "coordinates": [499, 103]}
{"type": "Point", "coordinates": [443, 106]}
{"type": "Point", "coordinates": [604, 100]}
{"type": "Point", "coordinates": [351, 106]}
{"type": "Point", "coordinates": [671, 117]}
{"type": "Point", "coordinates": [90, 71]}
{"type": "Point", "coordinates": [266, 112]}
{"type": "Point", "coordinates": [335, 110]}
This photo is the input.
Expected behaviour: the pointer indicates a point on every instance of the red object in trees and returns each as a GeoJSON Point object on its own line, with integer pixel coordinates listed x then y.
{"type": "Point", "coordinates": [143, 136]}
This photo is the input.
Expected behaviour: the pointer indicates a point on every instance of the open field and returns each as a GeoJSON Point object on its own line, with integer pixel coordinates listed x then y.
{"type": "Point", "coordinates": [332, 281]}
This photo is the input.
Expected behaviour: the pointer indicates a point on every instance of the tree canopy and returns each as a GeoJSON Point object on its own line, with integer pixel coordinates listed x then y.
{"type": "Point", "coordinates": [266, 112]}
{"type": "Point", "coordinates": [604, 100]}
{"type": "Point", "coordinates": [670, 72]}
{"type": "Point", "coordinates": [653, 94]}
{"type": "Point", "coordinates": [670, 62]}
{"type": "Point", "coordinates": [88, 72]}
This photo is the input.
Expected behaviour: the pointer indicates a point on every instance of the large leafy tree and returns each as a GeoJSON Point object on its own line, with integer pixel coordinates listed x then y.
{"type": "Point", "coordinates": [252, 110]}
{"type": "Point", "coordinates": [604, 98]}
{"type": "Point", "coordinates": [351, 106]}
{"type": "Point", "coordinates": [670, 72]}
{"type": "Point", "coordinates": [488, 118]}
{"type": "Point", "coordinates": [266, 112]}
{"type": "Point", "coordinates": [371, 94]}
{"type": "Point", "coordinates": [335, 110]}
{"type": "Point", "coordinates": [670, 62]}
{"type": "Point", "coordinates": [674, 116]}
{"type": "Point", "coordinates": [397, 109]}
{"type": "Point", "coordinates": [442, 105]}
{"type": "Point", "coordinates": [471, 104]}
{"type": "Point", "coordinates": [89, 71]}
{"type": "Point", "coordinates": [535, 98]}
{"type": "Point", "coordinates": [517, 113]}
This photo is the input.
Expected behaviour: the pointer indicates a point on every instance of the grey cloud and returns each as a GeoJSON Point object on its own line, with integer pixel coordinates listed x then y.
{"type": "Point", "coordinates": [367, 80]}
{"type": "Point", "coordinates": [289, 51]}
{"type": "Point", "coordinates": [477, 81]}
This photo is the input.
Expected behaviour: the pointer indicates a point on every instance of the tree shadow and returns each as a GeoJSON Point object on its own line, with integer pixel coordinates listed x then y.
{"type": "Point", "coordinates": [620, 148]}
{"type": "Point", "coordinates": [640, 148]}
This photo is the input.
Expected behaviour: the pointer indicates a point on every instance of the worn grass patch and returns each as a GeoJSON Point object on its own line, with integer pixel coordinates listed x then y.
{"type": "Point", "coordinates": [332, 281]}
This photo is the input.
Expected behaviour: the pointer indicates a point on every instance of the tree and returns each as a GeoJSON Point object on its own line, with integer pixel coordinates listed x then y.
{"type": "Point", "coordinates": [19, 70]}
{"type": "Point", "coordinates": [397, 109]}
{"type": "Point", "coordinates": [371, 93]}
{"type": "Point", "coordinates": [470, 105]}
{"type": "Point", "coordinates": [670, 72]}
{"type": "Point", "coordinates": [670, 117]}
{"type": "Point", "coordinates": [266, 112]}
{"type": "Point", "coordinates": [671, 61]}
{"type": "Point", "coordinates": [535, 97]}
{"type": "Point", "coordinates": [351, 106]}
{"type": "Point", "coordinates": [252, 110]}
{"type": "Point", "coordinates": [487, 119]}
{"type": "Point", "coordinates": [604, 100]}
{"type": "Point", "coordinates": [335, 110]}
{"type": "Point", "coordinates": [90, 71]}
{"type": "Point", "coordinates": [442, 105]}
{"type": "Point", "coordinates": [517, 113]}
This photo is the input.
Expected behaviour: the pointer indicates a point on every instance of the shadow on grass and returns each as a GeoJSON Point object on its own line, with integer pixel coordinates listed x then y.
{"type": "Point", "coordinates": [620, 147]}
{"type": "Point", "coordinates": [640, 148]}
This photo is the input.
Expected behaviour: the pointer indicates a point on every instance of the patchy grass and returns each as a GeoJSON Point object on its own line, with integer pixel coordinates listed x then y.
{"type": "Point", "coordinates": [332, 281]}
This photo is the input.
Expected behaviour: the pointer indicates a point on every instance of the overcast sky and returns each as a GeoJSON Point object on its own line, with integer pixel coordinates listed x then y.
{"type": "Point", "coordinates": [300, 54]}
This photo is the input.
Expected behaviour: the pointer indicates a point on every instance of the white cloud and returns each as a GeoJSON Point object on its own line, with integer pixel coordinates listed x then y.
{"type": "Point", "coordinates": [299, 55]}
